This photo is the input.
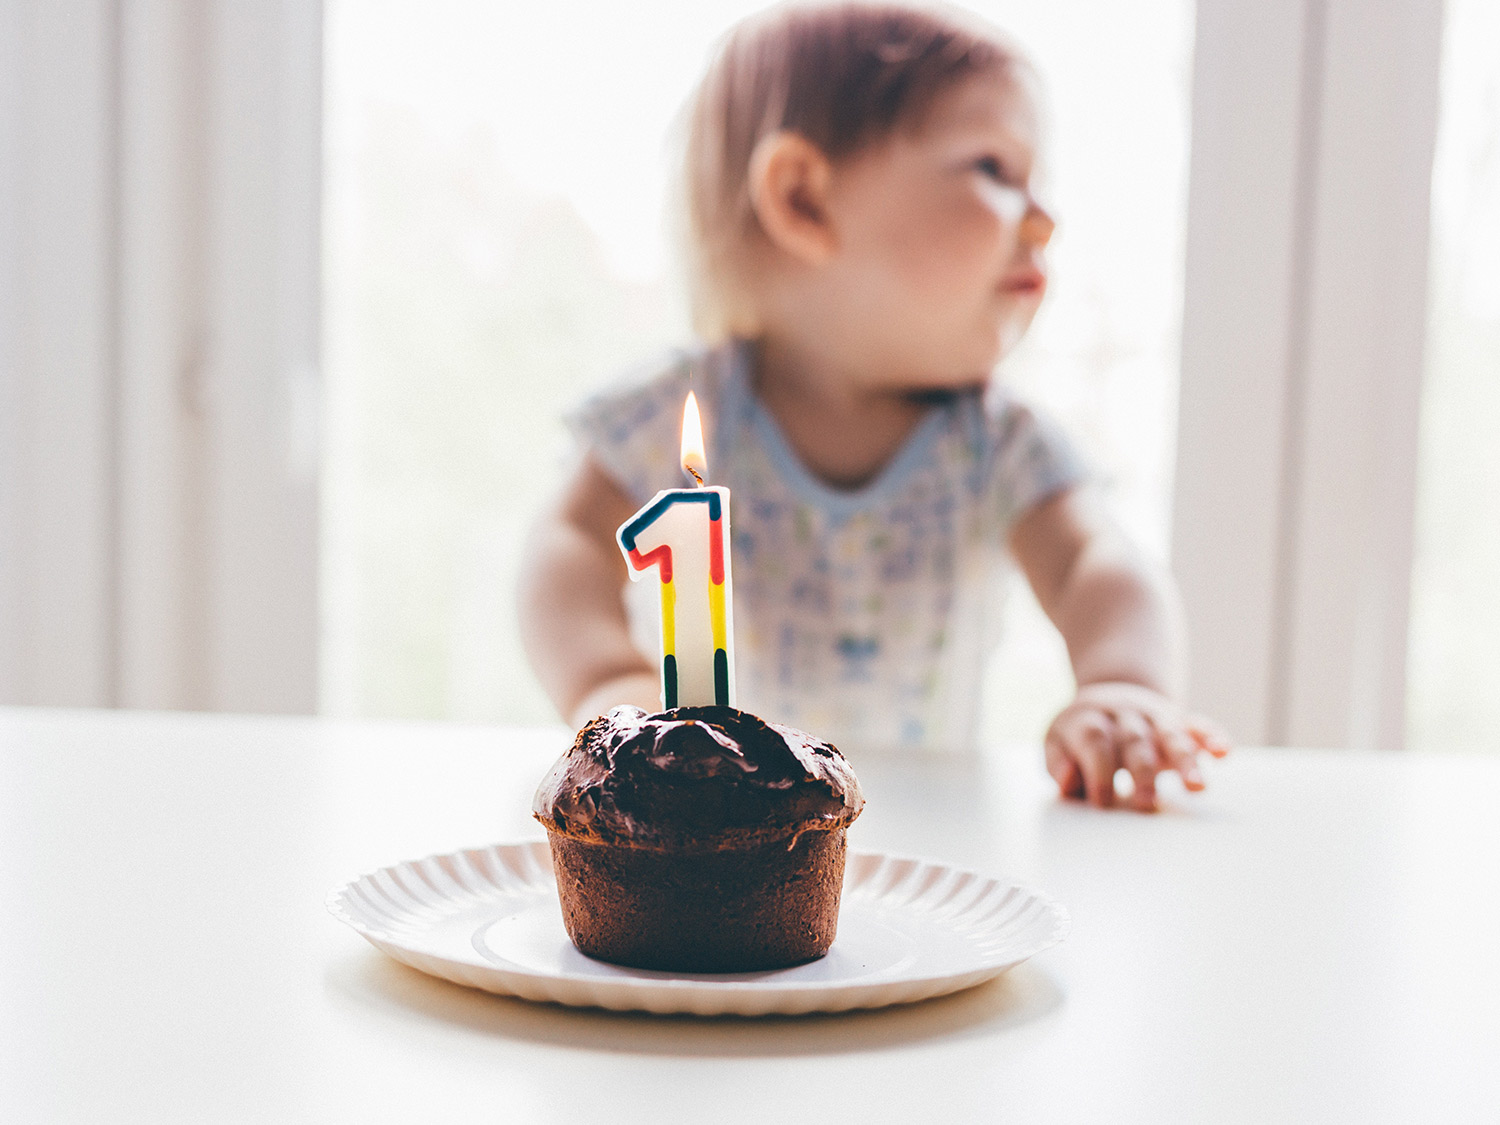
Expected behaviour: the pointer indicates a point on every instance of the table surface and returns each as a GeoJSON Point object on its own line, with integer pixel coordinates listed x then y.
{"type": "Point", "coordinates": [1313, 939]}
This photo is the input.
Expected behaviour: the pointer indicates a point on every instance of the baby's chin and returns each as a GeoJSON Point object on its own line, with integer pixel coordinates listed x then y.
{"type": "Point", "coordinates": [987, 345]}
{"type": "Point", "coordinates": [1001, 330]}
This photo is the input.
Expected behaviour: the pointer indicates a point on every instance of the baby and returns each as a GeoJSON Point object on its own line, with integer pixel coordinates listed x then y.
{"type": "Point", "coordinates": [866, 248]}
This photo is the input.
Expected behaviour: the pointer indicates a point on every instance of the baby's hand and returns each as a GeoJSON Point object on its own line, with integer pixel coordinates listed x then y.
{"type": "Point", "coordinates": [1113, 726]}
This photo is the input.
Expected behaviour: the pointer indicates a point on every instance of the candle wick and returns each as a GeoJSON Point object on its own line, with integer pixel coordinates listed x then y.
{"type": "Point", "coordinates": [692, 472]}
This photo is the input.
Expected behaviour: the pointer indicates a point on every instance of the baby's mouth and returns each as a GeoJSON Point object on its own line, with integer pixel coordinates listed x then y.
{"type": "Point", "coordinates": [1025, 281]}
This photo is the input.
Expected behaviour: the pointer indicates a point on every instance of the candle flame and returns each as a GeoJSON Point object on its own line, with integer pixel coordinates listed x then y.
{"type": "Point", "coordinates": [694, 461]}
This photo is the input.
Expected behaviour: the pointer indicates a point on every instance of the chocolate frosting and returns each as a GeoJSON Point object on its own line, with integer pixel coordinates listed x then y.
{"type": "Point", "coordinates": [695, 779]}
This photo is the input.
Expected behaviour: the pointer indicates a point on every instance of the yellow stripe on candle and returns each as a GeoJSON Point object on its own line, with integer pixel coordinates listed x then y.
{"type": "Point", "coordinates": [716, 613]}
{"type": "Point", "coordinates": [669, 619]}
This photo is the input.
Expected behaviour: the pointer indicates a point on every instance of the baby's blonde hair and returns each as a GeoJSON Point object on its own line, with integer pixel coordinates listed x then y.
{"type": "Point", "coordinates": [842, 76]}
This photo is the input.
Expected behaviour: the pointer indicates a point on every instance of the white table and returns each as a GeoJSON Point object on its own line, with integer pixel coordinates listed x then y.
{"type": "Point", "coordinates": [1317, 938]}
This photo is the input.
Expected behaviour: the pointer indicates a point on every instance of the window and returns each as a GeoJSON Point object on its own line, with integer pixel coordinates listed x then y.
{"type": "Point", "coordinates": [1454, 653]}
{"type": "Point", "coordinates": [496, 176]}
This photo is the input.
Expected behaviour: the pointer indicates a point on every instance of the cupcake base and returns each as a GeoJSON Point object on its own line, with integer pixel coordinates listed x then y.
{"type": "Point", "coordinates": [730, 911]}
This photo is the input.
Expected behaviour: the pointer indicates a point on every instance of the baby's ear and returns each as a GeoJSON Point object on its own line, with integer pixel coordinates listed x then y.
{"type": "Point", "coordinates": [789, 179]}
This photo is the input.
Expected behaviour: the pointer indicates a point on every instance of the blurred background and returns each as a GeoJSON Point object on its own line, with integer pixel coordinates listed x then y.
{"type": "Point", "coordinates": [292, 296]}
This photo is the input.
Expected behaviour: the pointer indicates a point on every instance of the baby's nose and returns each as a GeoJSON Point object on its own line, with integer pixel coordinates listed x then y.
{"type": "Point", "coordinates": [1037, 226]}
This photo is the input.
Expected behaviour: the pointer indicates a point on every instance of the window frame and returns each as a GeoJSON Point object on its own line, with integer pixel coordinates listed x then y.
{"type": "Point", "coordinates": [1304, 326]}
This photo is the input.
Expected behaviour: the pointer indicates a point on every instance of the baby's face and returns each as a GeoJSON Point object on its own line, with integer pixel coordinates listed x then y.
{"type": "Point", "coordinates": [939, 268]}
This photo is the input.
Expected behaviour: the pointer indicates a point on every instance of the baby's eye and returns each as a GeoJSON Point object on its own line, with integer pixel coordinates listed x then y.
{"type": "Point", "coordinates": [991, 167]}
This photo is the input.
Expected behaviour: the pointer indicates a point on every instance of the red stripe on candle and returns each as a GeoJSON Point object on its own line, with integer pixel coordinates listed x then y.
{"type": "Point", "coordinates": [716, 552]}
{"type": "Point", "coordinates": [661, 557]}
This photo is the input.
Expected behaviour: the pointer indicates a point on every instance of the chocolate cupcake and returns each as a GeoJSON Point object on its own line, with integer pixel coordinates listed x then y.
{"type": "Point", "coordinates": [701, 839]}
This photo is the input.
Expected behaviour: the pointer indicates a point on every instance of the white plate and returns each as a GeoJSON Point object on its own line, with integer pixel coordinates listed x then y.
{"type": "Point", "coordinates": [908, 929]}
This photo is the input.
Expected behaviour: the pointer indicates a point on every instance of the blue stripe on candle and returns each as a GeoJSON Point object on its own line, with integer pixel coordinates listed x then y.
{"type": "Point", "coordinates": [652, 512]}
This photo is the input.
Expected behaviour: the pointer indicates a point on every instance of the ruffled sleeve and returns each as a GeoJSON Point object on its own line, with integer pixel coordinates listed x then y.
{"type": "Point", "coordinates": [1033, 459]}
{"type": "Point", "coordinates": [633, 429]}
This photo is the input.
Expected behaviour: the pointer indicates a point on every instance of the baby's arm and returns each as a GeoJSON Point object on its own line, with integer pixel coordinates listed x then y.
{"type": "Point", "coordinates": [1121, 621]}
{"type": "Point", "coordinates": [573, 619]}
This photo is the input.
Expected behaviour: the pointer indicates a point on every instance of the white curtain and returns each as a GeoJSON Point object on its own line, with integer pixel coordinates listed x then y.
{"type": "Point", "coordinates": [159, 390]}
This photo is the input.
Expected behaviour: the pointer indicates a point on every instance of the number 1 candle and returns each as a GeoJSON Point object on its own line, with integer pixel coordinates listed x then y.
{"type": "Point", "coordinates": [683, 534]}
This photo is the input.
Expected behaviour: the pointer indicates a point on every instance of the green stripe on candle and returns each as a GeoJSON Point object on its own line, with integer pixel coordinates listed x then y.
{"type": "Point", "coordinates": [669, 680]}
{"type": "Point", "coordinates": [721, 677]}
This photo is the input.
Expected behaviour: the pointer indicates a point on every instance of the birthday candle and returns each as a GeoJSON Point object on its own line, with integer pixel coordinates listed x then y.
{"type": "Point", "coordinates": [683, 534]}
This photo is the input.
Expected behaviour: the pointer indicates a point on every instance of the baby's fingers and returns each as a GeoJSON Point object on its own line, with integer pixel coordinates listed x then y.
{"type": "Point", "coordinates": [1181, 754]}
{"type": "Point", "coordinates": [1064, 769]}
{"type": "Point", "coordinates": [1138, 755]}
{"type": "Point", "coordinates": [1092, 746]}
{"type": "Point", "coordinates": [1085, 738]}
{"type": "Point", "coordinates": [1208, 735]}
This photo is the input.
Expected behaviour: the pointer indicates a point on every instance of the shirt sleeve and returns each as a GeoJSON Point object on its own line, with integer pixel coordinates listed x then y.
{"type": "Point", "coordinates": [633, 430]}
{"type": "Point", "coordinates": [1034, 460]}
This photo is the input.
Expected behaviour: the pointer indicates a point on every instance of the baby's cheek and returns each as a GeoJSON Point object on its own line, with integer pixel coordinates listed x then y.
{"type": "Point", "coordinates": [989, 233]}
{"type": "Point", "coordinates": [943, 258]}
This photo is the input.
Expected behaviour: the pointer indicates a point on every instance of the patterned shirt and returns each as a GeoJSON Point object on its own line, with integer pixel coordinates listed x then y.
{"type": "Point", "coordinates": [864, 616]}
